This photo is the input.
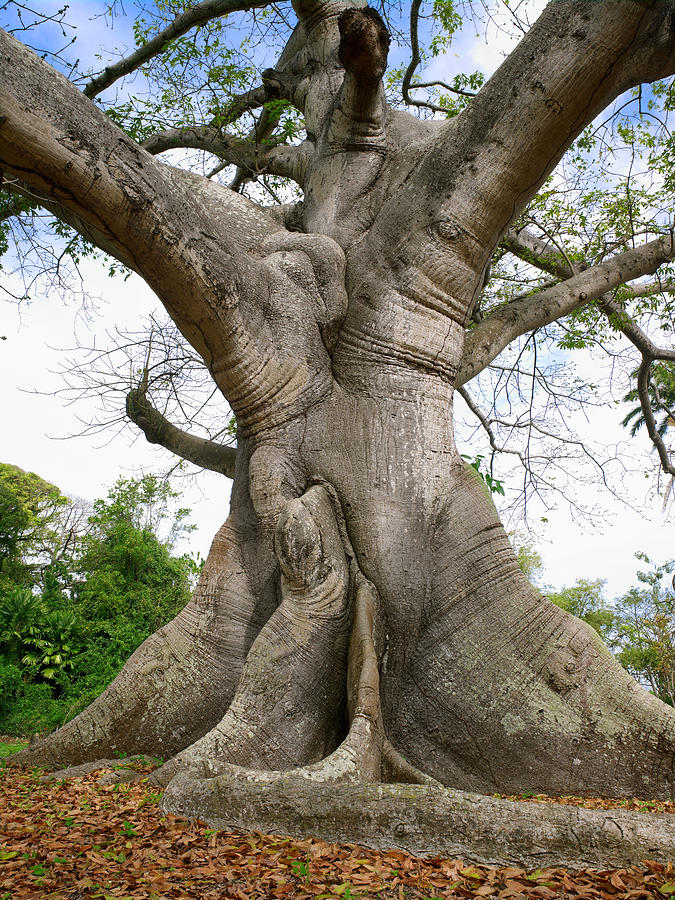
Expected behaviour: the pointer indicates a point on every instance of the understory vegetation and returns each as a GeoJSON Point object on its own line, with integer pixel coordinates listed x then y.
{"type": "Point", "coordinates": [81, 586]}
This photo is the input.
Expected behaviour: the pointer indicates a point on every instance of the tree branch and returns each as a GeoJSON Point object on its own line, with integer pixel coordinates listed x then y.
{"type": "Point", "coordinates": [442, 84]}
{"type": "Point", "coordinates": [620, 319]}
{"type": "Point", "coordinates": [415, 60]}
{"type": "Point", "coordinates": [484, 165]}
{"type": "Point", "coordinates": [643, 393]}
{"type": "Point", "coordinates": [284, 160]}
{"type": "Point", "coordinates": [531, 249]}
{"type": "Point", "coordinates": [58, 142]}
{"type": "Point", "coordinates": [506, 323]}
{"type": "Point", "coordinates": [158, 430]}
{"type": "Point", "coordinates": [650, 353]}
{"type": "Point", "coordinates": [482, 418]}
{"type": "Point", "coordinates": [184, 22]}
{"type": "Point", "coordinates": [574, 64]}
{"type": "Point", "coordinates": [87, 231]}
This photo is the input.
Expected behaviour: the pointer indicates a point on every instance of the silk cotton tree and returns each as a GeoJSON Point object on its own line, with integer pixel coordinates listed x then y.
{"type": "Point", "coordinates": [361, 616]}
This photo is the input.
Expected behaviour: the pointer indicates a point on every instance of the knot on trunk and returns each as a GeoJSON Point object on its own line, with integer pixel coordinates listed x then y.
{"type": "Point", "coordinates": [364, 43]}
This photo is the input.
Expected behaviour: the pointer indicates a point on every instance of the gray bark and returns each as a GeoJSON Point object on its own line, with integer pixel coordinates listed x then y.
{"type": "Point", "coordinates": [360, 554]}
{"type": "Point", "coordinates": [429, 821]}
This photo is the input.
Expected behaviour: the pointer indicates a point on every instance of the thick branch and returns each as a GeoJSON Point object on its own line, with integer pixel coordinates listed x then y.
{"type": "Point", "coordinates": [56, 141]}
{"type": "Point", "coordinates": [650, 352]}
{"type": "Point", "coordinates": [547, 257]}
{"type": "Point", "coordinates": [484, 166]}
{"type": "Point", "coordinates": [184, 22]}
{"type": "Point", "coordinates": [508, 322]}
{"type": "Point", "coordinates": [531, 249]}
{"type": "Point", "coordinates": [571, 64]}
{"type": "Point", "coordinates": [87, 231]}
{"type": "Point", "coordinates": [283, 160]}
{"type": "Point", "coordinates": [158, 430]}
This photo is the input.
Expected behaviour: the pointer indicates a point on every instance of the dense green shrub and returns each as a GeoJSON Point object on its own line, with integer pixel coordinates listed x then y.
{"type": "Point", "coordinates": [74, 607]}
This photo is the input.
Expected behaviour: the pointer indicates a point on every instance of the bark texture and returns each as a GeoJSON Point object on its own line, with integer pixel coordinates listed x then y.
{"type": "Point", "coordinates": [429, 821]}
{"type": "Point", "coordinates": [361, 617]}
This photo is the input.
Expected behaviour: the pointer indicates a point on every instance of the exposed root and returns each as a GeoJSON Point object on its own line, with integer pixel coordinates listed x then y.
{"type": "Point", "coordinates": [79, 771]}
{"type": "Point", "coordinates": [360, 758]}
{"type": "Point", "coordinates": [285, 712]}
{"type": "Point", "coordinates": [427, 821]}
{"type": "Point", "coordinates": [397, 770]}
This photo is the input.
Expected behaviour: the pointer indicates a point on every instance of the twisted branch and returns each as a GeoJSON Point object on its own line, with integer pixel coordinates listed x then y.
{"type": "Point", "coordinates": [158, 430]}
{"type": "Point", "coordinates": [184, 22]}
{"type": "Point", "coordinates": [650, 353]}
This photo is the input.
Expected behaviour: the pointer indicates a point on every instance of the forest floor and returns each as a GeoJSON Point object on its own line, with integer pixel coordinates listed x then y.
{"type": "Point", "coordinates": [78, 839]}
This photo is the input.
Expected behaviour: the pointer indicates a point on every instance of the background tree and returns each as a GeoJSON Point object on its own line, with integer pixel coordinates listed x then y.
{"type": "Point", "coordinates": [38, 527]}
{"type": "Point", "coordinates": [361, 555]}
{"type": "Point", "coordinates": [646, 631]}
{"type": "Point", "coordinates": [585, 599]}
{"type": "Point", "coordinates": [70, 624]}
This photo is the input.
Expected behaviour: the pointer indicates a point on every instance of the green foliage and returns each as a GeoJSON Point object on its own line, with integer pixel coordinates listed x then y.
{"type": "Point", "coordinates": [585, 600]}
{"type": "Point", "coordinates": [67, 626]}
{"type": "Point", "coordinates": [30, 510]}
{"type": "Point", "coordinates": [646, 631]}
{"type": "Point", "coordinates": [638, 627]}
{"type": "Point", "coordinates": [449, 20]}
{"type": "Point", "coordinates": [494, 485]}
{"type": "Point", "coordinates": [529, 560]}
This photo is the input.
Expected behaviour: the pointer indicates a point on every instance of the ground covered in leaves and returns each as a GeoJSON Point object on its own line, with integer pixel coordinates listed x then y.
{"type": "Point", "coordinates": [78, 839]}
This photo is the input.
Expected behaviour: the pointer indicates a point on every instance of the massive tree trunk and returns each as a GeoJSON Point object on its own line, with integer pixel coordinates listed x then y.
{"type": "Point", "coordinates": [361, 616]}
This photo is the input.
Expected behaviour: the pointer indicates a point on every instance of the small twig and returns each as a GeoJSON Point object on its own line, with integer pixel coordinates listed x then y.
{"type": "Point", "coordinates": [442, 84]}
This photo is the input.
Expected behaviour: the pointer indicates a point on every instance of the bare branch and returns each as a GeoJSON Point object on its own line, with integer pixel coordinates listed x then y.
{"type": "Point", "coordinates": [255, 158]}
{"type": "Point", "coordinates": [499, 328]}
{"type": "Point", "coordinates": [158, 430]}
{"type": "Point", "coordinates": [650, 352]}
{"type": "Point", "coordinates": [184, 22]}
{"type": "Point", "coordinates": [442, 84]}
{"type": "Point", "coordinates": [415, 60]}
{"type": "Point", "coordinates": [647, 412]}
{"type": "Point", "coordinates": [482, 418]}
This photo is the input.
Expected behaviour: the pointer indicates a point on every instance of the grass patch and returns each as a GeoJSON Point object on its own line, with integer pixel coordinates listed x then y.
{"type": "Point", "coordinates": [11, 745]}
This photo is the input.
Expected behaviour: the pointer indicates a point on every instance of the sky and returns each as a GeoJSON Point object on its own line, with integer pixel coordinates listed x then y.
{"type": "Point", "coordinates": [38, 423]}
